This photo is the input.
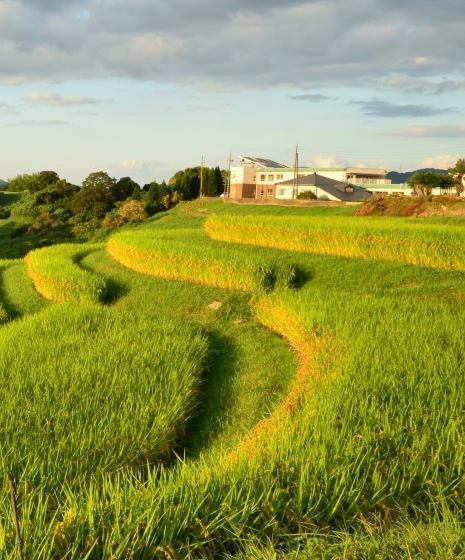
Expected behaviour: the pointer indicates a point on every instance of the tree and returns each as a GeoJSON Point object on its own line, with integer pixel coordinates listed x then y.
{"type": "Point", "coordinates": [458, 175]}
{"type": "Point", "coordinates": [154, 196]}
{"type": "Point", "coordinates": [136, 193]}
{"type": "Point", "coordinates": [186, 182]}
{"type": "Point", "coordinates": [46, 179]}
{"type": "Point", "coordinates": [423, 182]}
{"type": "Point", "coordinates": [96, 196]}
{"type": "Point", "coordinates": [124, 188]}
{"type": "Point", "coordinates": [99, 179]}
{"type": "Point", "coordinates": [212, 182]}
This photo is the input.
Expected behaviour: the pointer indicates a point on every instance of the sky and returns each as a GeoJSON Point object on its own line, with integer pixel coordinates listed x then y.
{"type": "Point", "coordinates": [145, 88]}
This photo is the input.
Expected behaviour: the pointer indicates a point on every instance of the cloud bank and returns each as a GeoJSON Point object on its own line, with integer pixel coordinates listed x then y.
{"type": "Point", "coordinates": [236, 43]}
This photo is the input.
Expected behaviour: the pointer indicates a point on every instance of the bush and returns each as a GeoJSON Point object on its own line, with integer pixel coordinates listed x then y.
{"type": "Point", "coordinates": [306, 195]}
{"type": "Point", "coordinates": [4, 214]}
{"type": "Point", "coordinates": [132, 211]}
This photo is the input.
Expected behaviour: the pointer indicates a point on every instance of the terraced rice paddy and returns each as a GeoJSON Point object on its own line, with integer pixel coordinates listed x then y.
{"type": "Point", "coordinates": [159, 426]}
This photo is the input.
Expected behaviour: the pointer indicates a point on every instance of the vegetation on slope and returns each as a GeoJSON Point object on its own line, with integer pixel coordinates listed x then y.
{"type": "Point", "coordinates": [368, 439]}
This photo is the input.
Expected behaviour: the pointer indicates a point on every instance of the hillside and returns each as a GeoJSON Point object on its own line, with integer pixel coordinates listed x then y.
{"type": "Point", "coordinates": [402, 177]}
{"type": "Point", "coordinates": [224, 381]}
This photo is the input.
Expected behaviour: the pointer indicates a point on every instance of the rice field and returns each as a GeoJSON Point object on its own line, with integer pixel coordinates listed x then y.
{"type": "Point", "coordinates": [363, 453]}
{"type": "Point", "coordinates": [400, 240]}
{"type": "Point", "coordinates": [56, 274]}
{"type": "Point", "coordinates": [185, 257]}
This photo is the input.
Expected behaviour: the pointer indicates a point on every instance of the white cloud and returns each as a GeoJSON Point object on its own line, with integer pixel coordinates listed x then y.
{"type": "Point", "coordinates": [329, 160]}
{"type": "Point", "coordinates": [436, 131]}
{"type": "Point", "coordinates": [137, 164]}
{"type": "Point", "coordinates": [131, 164]}
{"type": "Point", "coordinates": [55, 99]}
{"type": "Point", "coordinates": [440, 162]}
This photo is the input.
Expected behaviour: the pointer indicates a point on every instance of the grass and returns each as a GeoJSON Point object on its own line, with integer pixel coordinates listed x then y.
{"type": "Point", "coordinates": [189, 256]}
{"type": "Point", "coordinates": [360, 455]}
{"type": "Point", "coordinates": [250, 367]}
{"type": "Point", "coordinates": [130, 386]}
{"type": "Point", "coordinates": [56, 274]}
{"type": "Point", "coordinates": [388, 239]}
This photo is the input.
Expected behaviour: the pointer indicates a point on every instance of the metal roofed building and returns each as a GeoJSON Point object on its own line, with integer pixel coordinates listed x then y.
{"type": "Point", "coordinates": [262, 178]}
{"type": "Point", "coordinates": [322, 187]}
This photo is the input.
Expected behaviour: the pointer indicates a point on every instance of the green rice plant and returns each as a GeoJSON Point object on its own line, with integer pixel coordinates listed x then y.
{"type": "Point", "coordinates": [4, 264]}
{"type": "Point", "coordinates": [370, 436]}
{"type": "Point", "coordinates": [57, 275]}
{"type": "Point", "coordinates": [92, 390]}
{"type": "Point", "coordinates": [17, 292]}
{"type": "Point", "coordinates": [390, 239]}
{"type": "Point", "coordinates": [186, 256]}
{"type": "Point", "coordinates": [3, 314]}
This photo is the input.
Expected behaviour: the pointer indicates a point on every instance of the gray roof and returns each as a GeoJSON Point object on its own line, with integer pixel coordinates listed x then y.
{"type": "Point", "coordinates": [262, 162]}
{"type": "Point", "coordinates": [338, 189]}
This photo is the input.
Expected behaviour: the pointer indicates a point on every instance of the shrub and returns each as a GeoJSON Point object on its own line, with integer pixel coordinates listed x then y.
{"type": "Point", "coordinates": [306, 195]}
{"type": "Point", "coordinates": [132, 211]}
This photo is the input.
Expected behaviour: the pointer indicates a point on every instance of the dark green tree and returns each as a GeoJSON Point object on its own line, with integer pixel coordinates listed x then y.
{"type": "Point", "coordinates": [212, 182]}
{"type": "Point", "coordinates": [96, 197]}
{"type": "Point", "coordinates": [186, 182]}
{"type": "Point", "coordinates": [33, 182]}
{"type": "Point", "coordinates": [99, 179]}
{"type": "Point", "coordinates": [46, 179]}
{"type": "Point", "coordinates": [153, 198]}
{"type": "Point", "coordinates": [124, 188]}
{"type": "Point", "coordinates": [458, 175]}
{"type": "Point", "coordinates": [424, 181]}
{"type": "Point", "coordinates": [136, 193]}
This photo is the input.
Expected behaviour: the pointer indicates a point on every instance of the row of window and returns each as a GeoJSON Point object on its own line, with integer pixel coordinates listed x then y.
{"type": "Point", "coordinates": [279, 177]}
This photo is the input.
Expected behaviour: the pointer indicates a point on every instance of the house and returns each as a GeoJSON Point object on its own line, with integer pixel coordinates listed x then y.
{"type": "Point", "coordinates": [265, 178]}
{"type": "Point", "coordinates": [323, 188]}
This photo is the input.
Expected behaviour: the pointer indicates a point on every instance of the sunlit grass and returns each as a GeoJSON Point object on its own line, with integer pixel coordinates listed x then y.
{"type": "Point", "coordinates": [369, 238]}
{"type": "Point", "coordinates": [187, 256]}
{"type": "Point", "coordinates": [57, 275]}
{"type": "Point", "coordinates": [368, 437]}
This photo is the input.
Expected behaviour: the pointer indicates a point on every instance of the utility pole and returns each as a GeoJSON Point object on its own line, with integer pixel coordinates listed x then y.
{"type": "Point", "coordinates": [295, 184]}
{"type": "Point", "coordinates": [228, 178]}
{"type": "Point", "coordinates": [202, 161]}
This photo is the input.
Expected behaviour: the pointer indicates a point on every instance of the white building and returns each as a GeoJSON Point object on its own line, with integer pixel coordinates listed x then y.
{"type": "Point", "coordinates": [264, 178]}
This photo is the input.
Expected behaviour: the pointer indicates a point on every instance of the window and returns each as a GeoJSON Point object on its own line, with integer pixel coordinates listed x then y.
{"type": "Point", "coordinates": [262, 177]}
{"type": "Point", "coordinates": [281, 192]}
{"type": "Point", "coordinates": [270, 192]}
{"type": "Point", "coordinates": [279, 177]}
{"type": "Point", "coordinates": [271, 177]}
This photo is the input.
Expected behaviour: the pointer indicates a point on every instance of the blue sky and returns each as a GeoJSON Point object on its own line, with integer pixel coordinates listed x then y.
{"type": "Point", "coordinates": [144, 88]}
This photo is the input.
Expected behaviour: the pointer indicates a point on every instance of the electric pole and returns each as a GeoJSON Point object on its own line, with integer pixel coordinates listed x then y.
{"type": "Point", "coordinates": [228, 178]}
{"type": "Point", "coordinates": [202, 161]}
{"type": "Point", "coordinates": [295, 184]}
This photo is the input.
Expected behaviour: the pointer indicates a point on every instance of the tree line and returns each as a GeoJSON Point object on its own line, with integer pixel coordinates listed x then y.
{"type": "Point", "coordinates": [424, 181]}
{"type": "Point", "coordinates": [103, 201]}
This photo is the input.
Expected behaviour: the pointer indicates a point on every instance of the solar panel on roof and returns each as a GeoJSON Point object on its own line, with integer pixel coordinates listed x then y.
{"type": "Point", "coordinates": [262, 162]}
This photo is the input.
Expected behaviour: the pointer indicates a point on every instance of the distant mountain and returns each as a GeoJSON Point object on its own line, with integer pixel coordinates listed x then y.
{"type": "Point", "coordinates": [397, 178]}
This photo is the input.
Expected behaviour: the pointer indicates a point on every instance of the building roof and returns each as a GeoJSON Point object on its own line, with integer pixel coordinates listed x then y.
{"type": "Point", "coordinates": [261, 162]}
{"type": "Point", "coordinates": [338, 189]}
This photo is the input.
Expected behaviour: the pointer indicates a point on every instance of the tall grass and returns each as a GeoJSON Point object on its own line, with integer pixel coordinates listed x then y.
{"type": "Point", "coordinates": [57, 275]}
{"type": "Point", "coordinates": [391, 239]}
{"type": "Point", "coordinates": [187, 257]}
{"type": "Point", "coordinates": [4, 265]}
{"type": "Point", "coordinates": [93, 390]}
{"type": "Point", "coordinates": [370, 434]}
